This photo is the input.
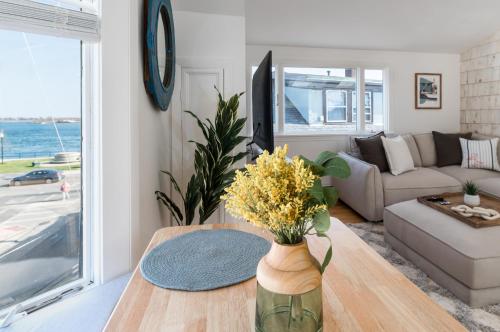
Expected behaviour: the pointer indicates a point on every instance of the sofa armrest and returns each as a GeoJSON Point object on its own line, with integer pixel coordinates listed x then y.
{"type": "Point", "coordinates": [363, 190]}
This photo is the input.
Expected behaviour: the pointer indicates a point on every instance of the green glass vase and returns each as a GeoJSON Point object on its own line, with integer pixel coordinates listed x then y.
{"type": "Point", "coordinates": [289, 295]}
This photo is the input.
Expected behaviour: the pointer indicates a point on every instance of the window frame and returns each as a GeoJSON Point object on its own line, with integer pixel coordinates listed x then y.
{"type": "Point", "coordinates": [91, 191]}
{"type": "Point", "coordinates": [344, 93]}
{"type": "Point", "coordinates": [281, 63]}
{"type": "Point", "coordinates": [355, 109]}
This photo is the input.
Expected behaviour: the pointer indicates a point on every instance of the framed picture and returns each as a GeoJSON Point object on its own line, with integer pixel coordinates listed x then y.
{"type": "Point", "coordinates": [428, 91]}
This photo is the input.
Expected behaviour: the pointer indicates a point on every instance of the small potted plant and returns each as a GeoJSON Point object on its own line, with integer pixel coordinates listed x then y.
{"type": "Point", "coordinates": [471, 194]}
{"type": "Point", "coordinates": [287, 198]}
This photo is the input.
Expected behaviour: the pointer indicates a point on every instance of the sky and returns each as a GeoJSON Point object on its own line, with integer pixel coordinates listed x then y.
{"type": "Point", "coordinates": [43, 83]}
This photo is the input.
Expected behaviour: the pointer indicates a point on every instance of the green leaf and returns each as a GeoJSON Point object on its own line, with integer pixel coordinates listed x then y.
{"type": "Point", "coordinates": [321, 221]}
{"type": "Point", "coordinates": [317, 170]}
{"type": "Point", "coordinates": [174, 183]}
{"type": "Point", "coordinates": [337, 167]}
{"type": "Point", "coordinates": [324, 157]}
{"type": "Point", "coordinates": [316, 191]}
{"type": "Point", "coordinates": [176, 212]}
{"type": "Point", "coordinates": [331, 196]}
{"type": "Point", "coordinates": [329, 253]}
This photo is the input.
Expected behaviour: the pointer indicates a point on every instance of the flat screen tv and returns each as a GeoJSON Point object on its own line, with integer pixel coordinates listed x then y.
{"type": "Point", "coordinates": [262, 105]}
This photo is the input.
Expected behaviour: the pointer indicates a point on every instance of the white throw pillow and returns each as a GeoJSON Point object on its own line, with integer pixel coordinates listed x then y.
{"type": "Point", "coordinates": [480, 154]}
{"type": "Point", "coordinates": [398, 155]}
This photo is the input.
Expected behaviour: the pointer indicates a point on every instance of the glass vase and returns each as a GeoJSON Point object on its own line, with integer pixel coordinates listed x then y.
{"type": "Point", "coordinates": [289, 296]}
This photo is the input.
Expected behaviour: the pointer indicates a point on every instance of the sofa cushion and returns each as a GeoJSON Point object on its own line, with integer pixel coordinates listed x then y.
{"type": "Point", "coordinates": [420, 182]}
{"type": "Point", "coordinates": [464, 174]}
{"type": "Point", "coordinates": [372, 150]}
{"type": "Point", "coordinates": [448, 149]}
{"type": "Point", "coordinates": [398, 155]}
{"type": "Point", "coordinates": [490, 186]}
{"type": "Point", "coordinates": [412, 145]}
{"type": "Point", "coordinates": [427, 149]}
{"type": "Point", "coordinates": [484, 137]}
{"type": "Point", "coordinates": [469, 255]}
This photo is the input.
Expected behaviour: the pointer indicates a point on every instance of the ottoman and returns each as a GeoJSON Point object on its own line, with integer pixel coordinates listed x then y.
{"type": "Point", "coordinates": [463, 259]}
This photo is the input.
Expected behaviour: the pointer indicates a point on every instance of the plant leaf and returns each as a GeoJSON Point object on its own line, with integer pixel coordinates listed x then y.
{"type": "Point", "coordinates": [329, 253]}
{"type": "Point", "coordinates": [337, 167]}
{"type": "Point", "coordinates": [317, 170]}
{"type": "Point", "coordinates": [321, 221]}
{"type": "Point", "coordinates": [174, 183]}
{"type": "Point", "coordinates": [324, 157]}
{"type": "Point", "coordinates": [316, 191]}
{"type": "Point", "coordinates": [331, 196]}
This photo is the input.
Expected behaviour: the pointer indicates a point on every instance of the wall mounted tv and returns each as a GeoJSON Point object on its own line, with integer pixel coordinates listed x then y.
{"type": "Point", "coordinates": [262, 105]}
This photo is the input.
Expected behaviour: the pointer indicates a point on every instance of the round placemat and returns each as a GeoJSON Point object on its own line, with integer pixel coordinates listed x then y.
{"type": "Point", "coordinates": [204, 260]}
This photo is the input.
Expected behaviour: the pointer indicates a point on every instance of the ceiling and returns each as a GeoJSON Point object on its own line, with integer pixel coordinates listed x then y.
{"type": "Point", "coordinates": [447, 26]}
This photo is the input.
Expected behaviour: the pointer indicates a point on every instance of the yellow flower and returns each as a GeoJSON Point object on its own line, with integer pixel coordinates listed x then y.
{"type": "Point", "coordinates": [273, 193]}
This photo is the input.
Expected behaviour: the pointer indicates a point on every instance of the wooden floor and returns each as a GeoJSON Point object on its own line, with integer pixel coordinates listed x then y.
{"type": "Point", "coordinates": [346, 214]}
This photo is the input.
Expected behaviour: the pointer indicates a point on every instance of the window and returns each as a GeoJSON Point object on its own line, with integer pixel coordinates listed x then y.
{"type": "Point", "coordinates": [318, 99]}
{"type": "Point", "coordinates": [374, 100]}
{"type": "Point", "coordinates": [368, 106]}
{"type": "Point", "coordinates": [323, 100]}
{"type": "Point", "coordinates": [44, 224]}
{"type": "Point", "coordinates": [336, 106]}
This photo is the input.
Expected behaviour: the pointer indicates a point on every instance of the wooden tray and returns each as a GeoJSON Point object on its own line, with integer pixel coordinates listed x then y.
{"type": "Point", "coordinates": [487, 202]}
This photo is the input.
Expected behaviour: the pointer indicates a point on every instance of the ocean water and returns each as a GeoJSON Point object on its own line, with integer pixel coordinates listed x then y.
{"type": "Point", "coordinates": [25, 139]}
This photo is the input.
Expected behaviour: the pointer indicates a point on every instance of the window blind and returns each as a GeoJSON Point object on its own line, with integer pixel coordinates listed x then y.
{"type": "Point", "coordinates": [31, 16]}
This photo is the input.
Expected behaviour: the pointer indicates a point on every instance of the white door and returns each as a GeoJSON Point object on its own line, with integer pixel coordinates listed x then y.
{"type": "Point", "coordinates": [199, 96]}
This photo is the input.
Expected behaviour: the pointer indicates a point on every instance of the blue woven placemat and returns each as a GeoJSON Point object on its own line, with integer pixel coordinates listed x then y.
{"type": "Point", "coordinates": [204, 260]}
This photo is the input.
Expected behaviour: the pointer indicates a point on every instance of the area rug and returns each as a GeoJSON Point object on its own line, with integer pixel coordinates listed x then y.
{"type": "Point", "coordinates": [474, 319]}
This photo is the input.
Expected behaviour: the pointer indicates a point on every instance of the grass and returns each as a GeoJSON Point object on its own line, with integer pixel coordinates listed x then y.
{"type": "Point", "coordinates": [25, 165]}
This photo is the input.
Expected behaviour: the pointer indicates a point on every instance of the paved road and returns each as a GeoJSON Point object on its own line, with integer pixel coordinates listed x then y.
{"type": "Point", "coordinates": [39, 235]}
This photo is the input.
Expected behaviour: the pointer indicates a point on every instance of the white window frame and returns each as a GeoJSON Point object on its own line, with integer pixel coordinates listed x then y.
{"type": "Point", "coordinates": [281, 63]}
{"type": "Point", "coordinates": [344, 93]}
{"type": "Point", "coordinates": [355, 109]}
{"type": "Point", "coordinates": [91, 189]}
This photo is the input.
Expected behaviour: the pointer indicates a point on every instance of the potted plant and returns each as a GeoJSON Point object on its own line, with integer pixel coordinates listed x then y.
{"type": "Point", "coordinates": [286, 197]}
{"type": "Point", "coordinates": [471, 194]}
{"type": "Point", "coordinates": [213, 164]}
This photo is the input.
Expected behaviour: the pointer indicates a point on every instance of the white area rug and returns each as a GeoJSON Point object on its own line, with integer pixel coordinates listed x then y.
{"type": "Point", "coordinates": [474, 319]}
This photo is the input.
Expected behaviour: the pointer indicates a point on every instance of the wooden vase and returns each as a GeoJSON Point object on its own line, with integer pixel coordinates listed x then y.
{"type": "Point", "coordinates": [289, 269]}
{"type": "Point", "coordinates": [289, 296]}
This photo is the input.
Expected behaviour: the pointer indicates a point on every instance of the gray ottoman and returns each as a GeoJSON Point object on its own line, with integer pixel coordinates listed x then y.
{"type": "Point", "coordinates": [460, 258]}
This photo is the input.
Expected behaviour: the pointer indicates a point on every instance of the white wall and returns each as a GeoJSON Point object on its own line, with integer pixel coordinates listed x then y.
{"type": "Point", "coordinates": [137, 137]}
{"type": "Point", "coordinates": [116, 139]}
{"type": "Point", "coordinates": [401, 68]}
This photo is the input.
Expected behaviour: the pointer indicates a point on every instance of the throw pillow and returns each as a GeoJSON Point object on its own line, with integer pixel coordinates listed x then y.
{"type": "Point", "coordinates": [398, 155]}
{"type": "Point", "coordinates": [448, 149]}
{"type": "Point", "coordinates": [372, 151]}
{"type": "Point", "coordinates": [480, 154]}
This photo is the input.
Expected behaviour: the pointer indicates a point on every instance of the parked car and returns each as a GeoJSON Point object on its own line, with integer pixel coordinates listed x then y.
{"type": "Point", "coordinates": [38, 176]}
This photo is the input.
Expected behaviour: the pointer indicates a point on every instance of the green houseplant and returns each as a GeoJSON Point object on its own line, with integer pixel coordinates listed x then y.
{"type": "Point", "coordinates": [471, 194]}
{"type": "Point", "coordinates": [213, 164]}
{"type": "Point", "coordinates": [287, 198]}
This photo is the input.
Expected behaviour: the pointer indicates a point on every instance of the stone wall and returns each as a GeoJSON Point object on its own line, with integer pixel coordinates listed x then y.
{"type": "Point", "coordinates": [480, 88]}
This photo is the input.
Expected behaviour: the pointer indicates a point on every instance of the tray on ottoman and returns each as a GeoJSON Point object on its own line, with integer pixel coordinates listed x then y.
{"type": "Point", "coordinates": [455, 199]}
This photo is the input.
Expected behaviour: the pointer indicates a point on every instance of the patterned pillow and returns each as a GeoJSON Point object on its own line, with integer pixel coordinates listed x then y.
{"type": "Point", "coordinates": [480, 154]}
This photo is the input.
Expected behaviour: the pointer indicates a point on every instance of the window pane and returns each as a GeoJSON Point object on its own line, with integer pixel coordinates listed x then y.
{"type": "Point", "coordinates": [374, 100]}
{"type": "Point", "coordinates": [40, 181]}
{"type": "Point", "coordinates": [318, 99]}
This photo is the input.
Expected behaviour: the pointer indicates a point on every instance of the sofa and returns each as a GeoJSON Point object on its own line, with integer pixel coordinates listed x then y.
{"type": "Point", "coordinates": [368, 190]}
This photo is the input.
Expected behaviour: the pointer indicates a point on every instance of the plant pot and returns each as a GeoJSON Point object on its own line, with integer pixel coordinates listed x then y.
{"type": "Point", "coordinates": [289, 290]}
{"type": "Point", "coordinates": [472, 200]}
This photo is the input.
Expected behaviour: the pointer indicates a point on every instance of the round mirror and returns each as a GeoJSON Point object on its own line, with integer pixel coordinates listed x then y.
{"type": "Point", "coordinates": [161, 47]}
{"type": "Point", "coordinates": [159, 52]}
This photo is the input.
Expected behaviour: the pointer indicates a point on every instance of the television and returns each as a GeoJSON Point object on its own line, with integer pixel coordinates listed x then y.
{"type": "Point", "coordinates": [263, 104]}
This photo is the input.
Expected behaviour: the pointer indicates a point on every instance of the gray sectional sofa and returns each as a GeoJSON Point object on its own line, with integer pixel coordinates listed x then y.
{"type": "Point", "coordinates": [368, 190]}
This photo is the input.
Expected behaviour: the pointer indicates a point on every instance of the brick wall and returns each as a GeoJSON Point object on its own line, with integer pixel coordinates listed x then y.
{"type": "Point", "coordinates": [480, 88]}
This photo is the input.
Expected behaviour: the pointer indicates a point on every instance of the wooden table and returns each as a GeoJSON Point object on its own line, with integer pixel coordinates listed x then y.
{"type": "Point", "coordinates": [361, 292]}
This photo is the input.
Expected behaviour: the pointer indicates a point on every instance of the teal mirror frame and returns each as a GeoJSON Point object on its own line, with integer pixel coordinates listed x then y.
{"type": "Point", "coordinates": [160, 90]}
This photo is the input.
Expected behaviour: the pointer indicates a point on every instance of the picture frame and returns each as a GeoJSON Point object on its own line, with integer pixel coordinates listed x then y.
{"type": "Point", "coordinates": [428, 91]}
